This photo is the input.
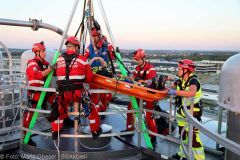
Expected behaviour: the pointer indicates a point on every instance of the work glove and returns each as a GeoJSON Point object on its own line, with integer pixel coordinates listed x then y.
{"type": "Point", "coordinates": [171, 92]}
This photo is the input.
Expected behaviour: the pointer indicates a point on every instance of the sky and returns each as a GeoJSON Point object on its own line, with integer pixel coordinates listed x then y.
{"type": "Point", "coordinates": [147, 24]}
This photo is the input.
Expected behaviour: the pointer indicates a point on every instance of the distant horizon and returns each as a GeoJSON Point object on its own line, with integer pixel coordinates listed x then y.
{"type": "Point", "coordinates": [177, 50]}
{"type": "Point", "coordinates": [151, 50]}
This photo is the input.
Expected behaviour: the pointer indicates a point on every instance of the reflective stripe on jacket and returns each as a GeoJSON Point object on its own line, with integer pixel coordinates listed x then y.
{"type": "Point", "coordinates": [34, 72]}
{"type": "Point", "coordinates": [198, 94]}
{"type": "Point", "coordinates": [147, 72]}
{"type": "Point", "coordinates": [79, 69]}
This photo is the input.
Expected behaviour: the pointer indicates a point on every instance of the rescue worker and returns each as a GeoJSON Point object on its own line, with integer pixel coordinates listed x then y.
{"type": "Point", "coordinates": [144, 73]}
{"type": "Point", "coordinates": [188, 85]}
{"type": "Point", "coordinates": [37, 70]}
{"type": "Point", "coordinates": [99, 60]}
{"type": "Point", "coordinates": [72, 70]}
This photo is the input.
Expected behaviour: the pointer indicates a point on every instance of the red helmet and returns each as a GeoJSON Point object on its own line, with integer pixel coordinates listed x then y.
{"type": "Point", "coordinates": [38, 47]}
{"type": "Point", "coordinates": [187, 64]}
{"type": "Point", "coordinates": [95, 32]}
{"type": "Point", "coordinates": [139, 54]}
{"type": "Point", "coordinates": [72, 40]}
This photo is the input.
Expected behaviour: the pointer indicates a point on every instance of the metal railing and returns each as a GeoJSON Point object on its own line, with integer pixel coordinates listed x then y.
{"type": "Point", "coordinates": [75, 136]}
{"type": "Point", "coordinates": [138, 123]}
{"type": "Point", "coordinates": [139, 129]}
{"type": "Point", "coordinates": [9, 108]}
{"type": "Point", "coordinates": [225, 142]}
{"type": "Point", "coordinates": [228, 144]}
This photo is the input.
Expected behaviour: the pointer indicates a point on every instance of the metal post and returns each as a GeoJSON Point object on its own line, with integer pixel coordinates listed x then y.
{"type": "Point", "coordinates": [107, 24]}
{"type": "Point", "coordinates": [3, 112]}
{"type": "Point", "coordinates": [170, 112]}
{"type": "Point", "coordinates": [21, 117]}
{"type": "Point", "coordinates": [170, 125]}
{"type": "Point", "coordinates": [13, 101]}
{"type": "Point", "coordinates": [75, 105]}
{"type": "Point", "coordinates": [190, 131]}
{"type": "Point", "coordinates": [68, 24]}
{"type": "Point", "coordinates": [175, 111]}
{"type": "Point", "coordinates": [139, 123]}
{"type": "Point", "coordinates": [219, 123]}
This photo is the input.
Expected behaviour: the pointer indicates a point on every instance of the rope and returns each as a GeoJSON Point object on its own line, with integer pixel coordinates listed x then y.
{"type": "Point", "coordinates": [82, 22]}
{"type": "Point", "coordinates": [78, 30]}
{"type": "Point", "coordinates": [84, 37]}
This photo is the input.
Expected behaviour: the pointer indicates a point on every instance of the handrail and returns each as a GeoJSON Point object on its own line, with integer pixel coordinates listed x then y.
{"type": "Point", "coordinates": [212, 135]}
{"type": "Point", "coordinates": [3, 108]}
{"type": "Point", "coordinates": [77, 113]}
{"type": "Point", "coordinates": [108, 113]}
{"type": "Point", "coordinates": [16, 74]}
{"type": "Point", "coordinates": [54, 89]}
{"type": "Point", "coordinates": [11, 86]}
{"type": "Point", "coordinates": [169, 137]}
{"type": "Point", "coordinates": [74, 113]}
{"type": "Point", "coordinates": [7, 129]}
{"type": "Point", "coordinates": [79, 135]}
{"type": "Point", "coordinates": [165, 115]}
{"type": "Point", "coordinates": [225, 142]}
{"type": "Point", "coordinates": [173, 139]}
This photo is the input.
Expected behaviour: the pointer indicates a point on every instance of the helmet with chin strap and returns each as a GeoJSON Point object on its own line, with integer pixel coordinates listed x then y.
{"type": "Point", "coordinates": [139, 54]}
{"type": "Point", "coordinates": [73, 40]}
{"type": "Point", "coordinates": [187, 64]}
{"type": "Point", "coordinates": [37, 47]}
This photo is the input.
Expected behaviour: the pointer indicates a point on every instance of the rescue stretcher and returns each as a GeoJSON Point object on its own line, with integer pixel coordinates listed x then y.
{"type": "Point", "coordinates": [126, 88]}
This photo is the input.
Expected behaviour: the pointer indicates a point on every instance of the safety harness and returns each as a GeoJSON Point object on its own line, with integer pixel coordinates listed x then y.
{"type": "Point", "coordinates": [40, 64]}
{"type": "Point", "coordinates": [178, 99]}
{"type": "Point", "coordinates": [30, 101]}
{"type": "Point", "coordinates": [69, 84]}
{"type": "Point", "coordinates": [143, 76]}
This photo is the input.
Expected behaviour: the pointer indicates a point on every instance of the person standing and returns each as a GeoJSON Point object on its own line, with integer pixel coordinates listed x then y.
{"type": "Point", "coordinates": [145, 74]}
{"type": "Point", "coordinates": [98, 54]}
{"type": "Point", "coordinates": [72, 70]}
{"type": "Point", "coordinates": [188, 85]}
{"type": "Point", "coordinates": [37, 70]}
